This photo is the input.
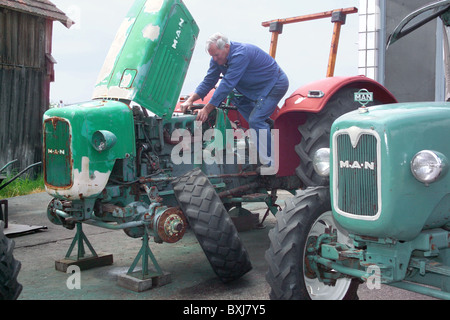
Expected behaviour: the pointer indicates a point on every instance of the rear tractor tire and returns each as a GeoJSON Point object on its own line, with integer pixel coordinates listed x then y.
{"type": "Point", "coordinates": [305, 217]}
{"type": "Point", "coordinates": [315, 133]}
{"type": "Point", "coordinates": [212, 226]}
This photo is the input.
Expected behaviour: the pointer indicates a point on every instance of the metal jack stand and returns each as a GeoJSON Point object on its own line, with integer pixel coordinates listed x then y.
{"type": "Point", "coordinates": [81, 260]}
{"type": "Point", "coordinates": [144, 279]}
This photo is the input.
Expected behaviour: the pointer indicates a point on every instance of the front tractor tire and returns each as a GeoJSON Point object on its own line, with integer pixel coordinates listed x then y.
{"type": "Point", "coordinates": [212, 226]}
{"type": "Point", "coordinates": [305, 217]}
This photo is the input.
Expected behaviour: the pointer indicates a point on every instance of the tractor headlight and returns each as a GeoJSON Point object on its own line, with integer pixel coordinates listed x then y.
{"type": "Point", "coordinates": [321, 162]}
{"type": "Point", "coordinates": [103, 140]}
{"type": "Point", "coordinates": [428, 166]}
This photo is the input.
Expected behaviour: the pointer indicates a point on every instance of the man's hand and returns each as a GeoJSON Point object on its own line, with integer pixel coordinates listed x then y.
{"type": "Point", "coordinates": [189, 103]}
{"type": "Point", "coordinates": [185, 106]}
{"type": "Point", "coordinates": [203, 113]}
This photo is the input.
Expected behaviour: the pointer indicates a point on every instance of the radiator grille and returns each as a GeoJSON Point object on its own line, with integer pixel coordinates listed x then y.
{"type": "Point", "coordinates": [357, 177]}
{"type": "Point", "coordinates": [57, 153]}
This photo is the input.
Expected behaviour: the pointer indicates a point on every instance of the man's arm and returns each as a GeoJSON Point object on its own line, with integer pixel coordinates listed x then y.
{"type": "Point", "coordinates": [204, 87]}
{"type": "Point", "coordinates": [236, 70]}
{"type": "Point", "coordinates": [228, 83]}
{"type": "Point", "coordinates": [203, 113]}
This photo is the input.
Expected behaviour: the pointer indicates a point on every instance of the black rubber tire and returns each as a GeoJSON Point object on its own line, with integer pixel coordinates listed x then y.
{"type": "Point", "coordinates": [10, 289]}
{"type": "Point", "coordinates": [212, 226]}
{"type": "Point", "coordinates": [315, 133]}
{"type": "Point", "coordinates": [288, 239]}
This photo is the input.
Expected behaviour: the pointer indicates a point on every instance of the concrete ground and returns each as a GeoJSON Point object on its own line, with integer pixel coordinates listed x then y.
{"type": "Point", "coordinates": [192, 276]}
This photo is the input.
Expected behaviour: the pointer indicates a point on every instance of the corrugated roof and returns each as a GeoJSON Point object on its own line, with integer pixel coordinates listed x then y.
{"type": "Point", "coordinates": [42, 8]}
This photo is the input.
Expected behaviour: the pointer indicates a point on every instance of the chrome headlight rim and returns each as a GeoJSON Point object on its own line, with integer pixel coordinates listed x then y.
{"type": "Point", "coordinates": [428, 166]}
{"type": "Point", "coordinates": [321, 162]}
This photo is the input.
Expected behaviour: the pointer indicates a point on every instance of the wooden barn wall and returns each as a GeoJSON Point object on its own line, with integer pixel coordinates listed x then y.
{"type": "Point", "coordinates": [24, 85]}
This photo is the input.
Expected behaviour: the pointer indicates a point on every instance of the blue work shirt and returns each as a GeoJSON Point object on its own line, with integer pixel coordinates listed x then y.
{"type": "Point", "coordinates": [249, 70]}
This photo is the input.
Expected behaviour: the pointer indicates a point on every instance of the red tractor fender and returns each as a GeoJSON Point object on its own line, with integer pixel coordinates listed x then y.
{"type": "Point", "coordinates": [312, 98]}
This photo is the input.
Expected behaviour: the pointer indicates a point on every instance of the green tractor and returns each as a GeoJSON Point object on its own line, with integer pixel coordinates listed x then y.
{"type": "Point", "coordinates": [385, 217]}
{"type": "Point", "coordinates": [127, 160]}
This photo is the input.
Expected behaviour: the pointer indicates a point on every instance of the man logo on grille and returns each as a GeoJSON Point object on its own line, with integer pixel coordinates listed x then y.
{"type": "Point", "coordinates": [357, 165]}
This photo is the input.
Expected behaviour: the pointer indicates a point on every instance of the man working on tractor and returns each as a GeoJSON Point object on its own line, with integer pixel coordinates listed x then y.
{"type": "Point", "coordinates": [254, 74]}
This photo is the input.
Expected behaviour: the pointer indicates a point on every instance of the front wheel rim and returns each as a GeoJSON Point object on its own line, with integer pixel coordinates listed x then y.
{"type": "Point", "coordinates": [318, 290]}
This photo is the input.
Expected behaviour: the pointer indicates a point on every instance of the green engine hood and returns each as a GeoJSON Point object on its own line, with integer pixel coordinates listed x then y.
{"type": "Point", "coordinates": [149, 58]}
{"type": "Point", "coordinates": [373, 190]}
